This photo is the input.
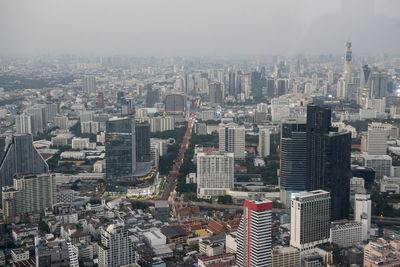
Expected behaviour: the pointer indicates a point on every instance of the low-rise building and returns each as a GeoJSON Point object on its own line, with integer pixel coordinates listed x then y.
{"type": "Point", "coordinates": [285, 257]}
{"type": "Point", "coordinates": [346, 234]}
{"type": "Point", "coordinates": [382, 253]}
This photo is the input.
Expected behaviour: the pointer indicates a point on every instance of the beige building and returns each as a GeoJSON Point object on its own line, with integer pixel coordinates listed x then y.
{"type": "Point", "coordinates": [285, 257]}
{"type": "Point", "coordinates": [382, 253]}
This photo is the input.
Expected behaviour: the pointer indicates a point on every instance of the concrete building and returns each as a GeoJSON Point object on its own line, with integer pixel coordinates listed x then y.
{"type": "Point", "coordinates": [346, 234]}
{"type": "Point", "coordinates": [116, 248]}
{"type": "Point", "coordinates": [175, 103]}
{"type": "Point", "coordinates": [309, 219]}
{"type": "Point", "coordinates": [20, 157]}
{"type": "Point", "coordinates": [80, 143]}
{"type": "Point", "coordinates": [214, 173]}
{"type": "Point", "coordinates": [30, 194]}
{"type": "Point", "coordinates": [285, 257]}
{"type": "Point", "coordinates": [215, 93]}
{"type": "Point", "coordinates": [381, 164]}
{"type": "Point", "coordinates": [377, 139]}
{"type": "Point", "coordinates": [226, 260]}
{"type": "Point", "coordinates": [232, 139]}
{"type": "Point", "coordinates": [362, 213]}
{"type": "Point", "coordinates": [23, 124]}
{"type": "Point", "coordinates": [254, 240]}
{"type": "Point", "coordinates": [264, 142]}
{"type": "Point", "coordinates": [382, 253]}
{"type": "Point", "coordinates": [390, 185]}
{"type": "Point", "coordinates": [57, 253]}
{"type": "Point", "coordinates": [61, 122]}
{"type": "Point", "coordinates": [89, 84]}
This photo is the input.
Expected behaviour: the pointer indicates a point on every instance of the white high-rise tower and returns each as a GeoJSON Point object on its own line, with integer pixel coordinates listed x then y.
{"type": "Point", "coordinates": [254, 240]}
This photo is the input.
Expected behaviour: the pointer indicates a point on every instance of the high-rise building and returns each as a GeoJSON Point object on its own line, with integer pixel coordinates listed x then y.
{"type": "Point", "coordinates": [175, 102]}
{"type": "Point", "coordinates": [330, 77]}
{"type": "Point", "coordinates": [20, 157]}
{"type": "Point", "coordinates": [281, 87]}
{"type": "Point", "coordinates": [51, 111]}
{"type": "Point", "coordinates": [232, 84]}
{"type": "Point", "coordinates": [89, 84]}
{"type": "Point", "coordinates": [39, 121]}
{"type": "Point", "coordinates": [377, 139]}
{"type": "Point", "coordinates": [285, 257]}
{"type": "Point", "coordinates": [120, 150]}
{"type": "Point", "coordinates": [379, 84]}
{"type": "Point", "coordinates": [362, 213]}
{"type": "Point", "coordinates": [86, 116]}
{"type": "Point", "coordinates": [347, 63]}
{"type": "Point", "coordinates": [293, 158]}
{"type": "Point", "coordinates": [264, 142]}
{"type": "Point", "coordinates": [271, 88]}
{"type": "Point", "coordinates": [309, 225]}
{"type": "Point", "coordinates": [30, 194]}
{"type": "Point", "coordinates": [61, 122]}
{"type": "Point", "coordinates": [214, 173]}
{"type": "Point", "coordinates": [365, 77]}
{"type": "Point", "coordinates": [232, 139]}
{"type": "Point", "coordinates": [328, 160]}
{"type": "Point", "coordinates": [256, 84]}
{"type": "Point", "coordinates": [127, 152]}
{"type": "Point", "coordinates": [142, 142]}
{"type": "Point", "coordinates": [215, 93]}
{"type": "Point", "coordinates": [23, 124]}
{"type": "Point", "coordinates": [152, 97]}
{"type": "Point", "coordinates": [346, 234]}
{"type": "Point", "coordinates": [254, 240]}
{"type": "Point", "coordinates": [116, 248]}
{"type": "Point", "coordinates": [100, 100]}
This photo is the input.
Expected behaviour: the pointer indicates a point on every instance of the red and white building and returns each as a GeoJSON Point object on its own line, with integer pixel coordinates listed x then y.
{"type": "Point", "coordinates": [254, 239]}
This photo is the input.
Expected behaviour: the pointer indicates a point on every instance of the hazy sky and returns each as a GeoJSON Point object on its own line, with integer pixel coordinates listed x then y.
{"type": "Point", "coordinates": [198, 27]}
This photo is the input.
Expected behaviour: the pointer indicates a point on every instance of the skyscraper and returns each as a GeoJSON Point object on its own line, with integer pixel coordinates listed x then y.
{"type": "Point", "coordinates": [232, 139]}
{"type": "Point", "coordinates": [175, 103]}
{"type": "Point", "coordinates": [30, 193]}
{"type": "Point", "coordinates": [362, 213]}
{"type": "Point", "coordinates": [256, 84]}
{"type": "Point", "coordinates": [100, 100]}
{"type": "Point", "coordinates": [293, 158]}
{"type": "Point", "coordinates": [120, 150]}
{"type": "Point", "coordinates": [309, 225]}
{"type": "Point", "coordinates": [127, 152]}
{"type": "Point", "coordinates": [379, 84]}
{"type": "Point", "coordinates": [377, 139]}
{"type": "Point", "coordinates": [254, 241]}
{"type": "Point", "coordinates": [20, 157]}
{"type": "Point", "coordinates": [215, 93]}
{"type": "Point", "coordinates": [143, 142]}
{"type": "Point", "coordinates": [232, 84]}
{"type": "Point", "coordinates": [89, 84]}
{"type": "Point", "coordinates": [264, 142]}
{"type": "Point", "coordinates": [347, 63]}
{"type": "Point", "coordinates": [214, 173]}
{"type": "Point", "coordinates": [116, 248]}
{"type": "Point", "coordinates": [23, 124]}
{"type": "Point", "coordinates": [39, 121]}
{"type": "Point", "coordinates": [328, 160]}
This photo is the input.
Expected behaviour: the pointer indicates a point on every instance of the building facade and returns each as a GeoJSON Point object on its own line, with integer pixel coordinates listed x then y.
{"type": "Point", "coordinates": [232, 139]}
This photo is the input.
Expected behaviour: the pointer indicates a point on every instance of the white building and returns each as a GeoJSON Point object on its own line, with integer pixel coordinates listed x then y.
{"type": "Point", "coordinates": [264, 142]}
{"type": "Point", "coordinates": [154, 237]}
{"type": "Point", "coordinates": [207, 115]}
{"type": "Point", "coordinates": [86, 116]}
{"type": "Point", "coordinates": [232, 139]}
{"type": "Point", "coordinates": [390, 184]}
{"type": "Point", "coordinates": [231, 242]}
{"type": "Point", "coordinates": [62, 122]}
{"type": "Point", "coordinates": [215, 172]}
{"type": "Point", "coordinates": [80, 143]}
{"type": "Point", "coordinates": [309, 219]}
{"type": "Point", "coordinates": [116, 248]}
{"type": "Point", "coordinates": [254, 240]}
{"type": "Point", "coordinates": [381, 164]}
{"type": "Point", "coordinates": [346, 234]}
{"type": "Point", "coordinates": [377, 139]}
{"type": "Point", "coordinates": [362, 213]}
{"type": "Point", "coordinates": [159, 124]}
{"type": "Point", "coordinates": [23, 124]}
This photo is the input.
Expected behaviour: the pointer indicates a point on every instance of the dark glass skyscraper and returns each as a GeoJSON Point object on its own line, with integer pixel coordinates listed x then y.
{"type": "Point", "coordinates": [142, 142]}
{"type": "Point", "coordinates": [120, 150]}
{"type": "Point", "coordinates": [20, 157]}
{"type": "Point", "coordinates": [328, 160]}
{"type": "Point", "coordinates": [293, 158]}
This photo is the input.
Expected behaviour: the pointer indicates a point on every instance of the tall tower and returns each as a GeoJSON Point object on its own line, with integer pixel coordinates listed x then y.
{"type": "Point", "coordinates": [254, 234]}
{"type": "Point", "coordinates": [232, 139]}
{"type": "Point", "coordinates": [347, 63]}
{"type": "Point", "coordinates": [293, 158]}
{"type": "Point", "coordinates": [309, 219]}
{"type": "Point", "coordinates": [328, 160]}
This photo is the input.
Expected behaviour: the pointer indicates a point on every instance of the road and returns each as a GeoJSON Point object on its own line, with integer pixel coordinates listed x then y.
{"type": "Point", "coordinates": [172, 176]}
